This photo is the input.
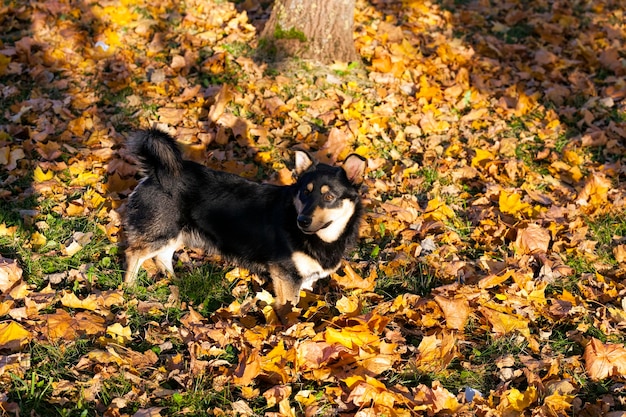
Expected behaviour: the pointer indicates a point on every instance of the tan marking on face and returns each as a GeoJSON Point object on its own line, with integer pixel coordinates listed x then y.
{"type": "Point", "coordinates": [339, 218]}
{"type": "Point", "coordinates": [309, 187]}
{"type": "Point", "coordinates": [324, 189]}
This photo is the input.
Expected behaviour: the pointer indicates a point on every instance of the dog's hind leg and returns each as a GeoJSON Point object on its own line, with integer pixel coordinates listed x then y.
{"type": "Point", "coordinates": [163, 254]}
{"type": "Point", "coordinates": [134, 260]}
{"type": "Point", "coordinates": [166, 253]}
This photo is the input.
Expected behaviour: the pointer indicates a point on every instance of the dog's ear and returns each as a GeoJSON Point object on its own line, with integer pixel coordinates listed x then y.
{"type": "Point", "coordinates": [355, 165]}
{"type": "Point", "coordinates": [304, 161]}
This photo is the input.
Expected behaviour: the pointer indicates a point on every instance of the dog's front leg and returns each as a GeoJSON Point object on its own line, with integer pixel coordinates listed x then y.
{"type": "Point", "coordinates": [287, 291]}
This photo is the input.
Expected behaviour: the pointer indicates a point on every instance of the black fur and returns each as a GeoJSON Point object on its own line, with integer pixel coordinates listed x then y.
{"type": "Point", "coordinates": [254, 225]}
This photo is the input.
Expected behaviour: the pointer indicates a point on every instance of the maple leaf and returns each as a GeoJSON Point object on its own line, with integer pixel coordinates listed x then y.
{"type": "Point", "coordinates": [532, 238]}
{"type": "Point", "coordinates": [603, 360]}
{"type": "Point", "coordinates": [511, 203]}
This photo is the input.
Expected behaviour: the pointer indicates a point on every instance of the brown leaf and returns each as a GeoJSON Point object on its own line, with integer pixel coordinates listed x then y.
{"type": "Point", "coordinates": [249, 367]}
{"type": "Point", "coordinates": [604, 360]}
{"type": "Point", "coordinates": [533, 238]}
{"type": "Point", "coordinates": [10, 274]}
{"type": "Point", "coordinates": [456, 311]}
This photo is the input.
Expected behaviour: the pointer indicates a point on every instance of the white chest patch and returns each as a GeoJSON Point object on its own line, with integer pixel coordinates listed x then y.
{"type": "Point", "coordinates": [309, 269]}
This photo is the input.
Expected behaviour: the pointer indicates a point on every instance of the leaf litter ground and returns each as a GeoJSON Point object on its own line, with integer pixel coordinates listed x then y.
{"type": "Point", "coordinates": [489, 275]}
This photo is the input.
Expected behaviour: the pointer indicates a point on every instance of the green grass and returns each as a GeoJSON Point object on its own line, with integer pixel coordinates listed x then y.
{"type": "Point", "coordinates": [50, 363]}
{"type": "Point", "coordinates": [419, 280]}
{"type": "Point", "coordinates": [205, 288]}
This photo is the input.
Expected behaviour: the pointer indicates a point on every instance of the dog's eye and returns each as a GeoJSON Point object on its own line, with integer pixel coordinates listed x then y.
{"type": "Point", "coordinates": [328, 197]}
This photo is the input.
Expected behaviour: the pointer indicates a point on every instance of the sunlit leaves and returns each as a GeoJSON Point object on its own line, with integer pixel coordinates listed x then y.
{"type": "Point", "coordinates": [493, 134]}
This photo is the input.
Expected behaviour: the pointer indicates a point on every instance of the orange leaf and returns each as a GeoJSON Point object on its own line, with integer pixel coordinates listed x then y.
{"type": "Point", "coordinates": [604, 360]}
{"type": "Point", "coordinates": [351, 337]}
{"type": "Point", "coordinates": [533, 238]}
{"type": "Point", "coordinates": [10, 274]}
{"type": "Point", "coordinates": [456, 311]}
{"type": "Point", "coordinates": [352, 280]}
{"type": "Point", "coordinates": [248, 368]}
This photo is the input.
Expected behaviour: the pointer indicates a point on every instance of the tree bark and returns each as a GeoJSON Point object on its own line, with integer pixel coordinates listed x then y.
{"type": "Point", "coordinates": [321, 30]}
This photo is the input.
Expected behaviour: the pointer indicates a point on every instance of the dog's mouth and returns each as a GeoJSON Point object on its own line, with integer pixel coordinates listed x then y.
{"type": "Point", "coordinates": [310, 231]}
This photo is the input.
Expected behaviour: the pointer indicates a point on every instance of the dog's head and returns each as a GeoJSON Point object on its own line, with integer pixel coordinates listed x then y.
{"type": "Point", "coordinates": [327, 196]}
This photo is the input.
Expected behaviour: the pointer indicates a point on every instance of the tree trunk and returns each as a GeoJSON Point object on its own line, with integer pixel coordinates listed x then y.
{"type": "Point", "coordinates": [321, 30]}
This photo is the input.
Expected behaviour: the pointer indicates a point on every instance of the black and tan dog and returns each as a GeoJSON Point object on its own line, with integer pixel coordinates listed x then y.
{"type": "Point", "coordinates": [297, 234]}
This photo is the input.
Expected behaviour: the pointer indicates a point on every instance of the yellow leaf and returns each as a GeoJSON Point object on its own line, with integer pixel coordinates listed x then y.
{"type": "Point", "coordinates": [573, 158]}
{"type": "Point", "coordinates": [348, 305]}
{"type": "Point", "coordinates": [71, 249]}
{"type": "Point", "coordinates": [13, 336]}
{"type": "Point", "coordinates": [482, 157]}
{"type": "Point", "coordinates": [594, 193]}
{"type": "Point", "coordinates": [4, 63]}
{"type": "Point", "coordinates": [437, 210]}
{"type": "Point", "coordinates": [503, 323]}
{"type": "Point", "coordinates": [120, 333]}
{"type": "Point", "coordinates": [351, 337]}
{"type": "Point", "coordinates": [85, 178]}
{"type": "Point", "coordinates": [7, 231]}
{"type": "Point", "coordinates": [40, 176]}
{"type": "Point", "coordinates": [74, 209]}
{"type": "Point", "coordinates": [511, 202]}
{"type": "Point", "coordinates": [37, 240]}
{"type": "Point", "coordinates": [558, 402]}
{"type": "Point", "coordinates": [70, 300]}
{"type": "Point", "coordinates": [520, 401]}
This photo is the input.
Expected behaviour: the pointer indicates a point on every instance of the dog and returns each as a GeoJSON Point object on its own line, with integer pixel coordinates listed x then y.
{"type": "Point", "coordinates": [295, 234]}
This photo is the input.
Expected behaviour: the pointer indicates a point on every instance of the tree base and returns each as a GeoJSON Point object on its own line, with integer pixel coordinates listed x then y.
{"type": "Point", "coordinates": [319, 30]}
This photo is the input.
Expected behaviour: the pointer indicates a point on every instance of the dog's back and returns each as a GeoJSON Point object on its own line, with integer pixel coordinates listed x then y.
{"type": "Point", "coordinates": [295, 233]}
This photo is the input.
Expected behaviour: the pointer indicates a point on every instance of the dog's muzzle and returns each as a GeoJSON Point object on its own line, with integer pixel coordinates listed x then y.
{"type": "Point", "coordinates": [304, 223]}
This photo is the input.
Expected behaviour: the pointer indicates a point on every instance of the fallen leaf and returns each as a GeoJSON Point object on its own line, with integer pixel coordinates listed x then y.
{"type": "Point", "coordinates": [531, 239]}
{"type": "Point", "coordinates": [13, 336]}
{"type": "Point", "coordinates": [604, 360]}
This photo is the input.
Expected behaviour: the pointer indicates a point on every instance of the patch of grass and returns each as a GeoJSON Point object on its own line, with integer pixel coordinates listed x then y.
{"type": "Point", "coordinates": [50, 363]}
{"type": "Point", "coordinates": [199, 399]}
{"type": "Point", "coordinates": [560, 342]}
{"type": "Point", "coordinates": [205, 288]}
{"type": "Point", "coordinates": [419, 280]}
{"type": "Point", "coordinates": [606, 230]}
{"type": "Point", "coordinates": [518, 32]}
{"type": "Point", "coordinates": [238, 49]}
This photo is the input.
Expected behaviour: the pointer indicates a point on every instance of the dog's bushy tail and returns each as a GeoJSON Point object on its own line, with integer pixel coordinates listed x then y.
{"type": "Point", "coordinates": [158, 154]}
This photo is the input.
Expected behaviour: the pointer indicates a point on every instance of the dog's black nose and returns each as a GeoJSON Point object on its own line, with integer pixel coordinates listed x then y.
{"type": "Point", "coordinates": [304, 221]}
